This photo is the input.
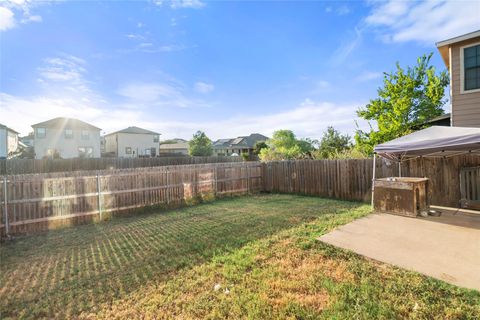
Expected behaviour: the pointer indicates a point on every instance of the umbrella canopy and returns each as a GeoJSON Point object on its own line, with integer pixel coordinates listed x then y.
{"type": "Point", "coordinates": [433, 141]}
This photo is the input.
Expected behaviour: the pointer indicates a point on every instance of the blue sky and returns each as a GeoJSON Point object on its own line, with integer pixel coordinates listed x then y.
{"type": "Point", "coordinates": [228, 68]}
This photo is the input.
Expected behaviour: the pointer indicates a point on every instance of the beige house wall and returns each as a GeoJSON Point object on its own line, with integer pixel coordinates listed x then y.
{"type": "Point", "coordinates": [465, 105]}
{"type": "Point", "coordinates": [68, 148]}
{"type": "Point", "coordinates": [139, 143]}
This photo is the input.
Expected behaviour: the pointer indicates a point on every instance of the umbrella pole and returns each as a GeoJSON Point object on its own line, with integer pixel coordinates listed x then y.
{"type": "Point", "coordinates": [373, 178]}
{"type": "Point", "coordinates": [400, 169]}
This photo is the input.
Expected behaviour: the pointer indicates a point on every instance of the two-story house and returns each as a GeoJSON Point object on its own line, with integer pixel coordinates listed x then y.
{"type": "Point", "coordinates": [66, 138]}
{"type": "Point", "coordinates": [132, 142]}
{"type": "Point", "coordinates": [8, 141]}
{"type": "Point", "coordinates": [462, 58]}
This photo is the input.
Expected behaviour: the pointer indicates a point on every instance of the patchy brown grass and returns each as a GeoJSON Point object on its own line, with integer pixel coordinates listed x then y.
{"type": "Point", "coordinates": [262, 252]}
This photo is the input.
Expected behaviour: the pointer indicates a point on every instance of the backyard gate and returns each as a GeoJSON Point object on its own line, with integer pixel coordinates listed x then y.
{"type": "Point", "coordinates": [470, 187]}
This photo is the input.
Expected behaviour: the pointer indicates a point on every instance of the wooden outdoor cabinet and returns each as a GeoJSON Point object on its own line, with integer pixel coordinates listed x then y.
{"type": "Point", "coordinates": [403, 196]}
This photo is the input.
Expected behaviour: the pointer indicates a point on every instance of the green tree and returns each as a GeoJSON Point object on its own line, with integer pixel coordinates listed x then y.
{"type": "Point", "coordinates": [200, 145]}
{"type": "Point", "coordinates": [284, 145]}
{"type": "Point", "coordinates": [259, 145]}
{"type": "Point", "coordinates": [332, 143]}
{"type": "Point", "coordinates": [406, 101]}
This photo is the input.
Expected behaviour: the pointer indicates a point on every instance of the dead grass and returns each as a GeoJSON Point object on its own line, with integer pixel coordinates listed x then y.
{"type": "Point", "coordinates": [261, 253]}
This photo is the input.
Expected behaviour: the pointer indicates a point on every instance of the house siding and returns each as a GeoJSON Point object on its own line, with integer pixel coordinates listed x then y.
{"type": "Point", "coordinates": [8, 142]}
{"type": "Point", "coordinates": [465, 106]}
{"type": "Point", "coordinates": [118, 142]}
{"type": "Point", "coordinates": [67, 148]}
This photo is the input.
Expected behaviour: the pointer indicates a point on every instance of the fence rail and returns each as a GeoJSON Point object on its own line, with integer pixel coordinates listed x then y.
{"type": "Point", "coordinates": [23, 166]}
{"type": "Point", "coordinates": [34, 202]}
{"type": "Point", "coordinates": [352, 179]}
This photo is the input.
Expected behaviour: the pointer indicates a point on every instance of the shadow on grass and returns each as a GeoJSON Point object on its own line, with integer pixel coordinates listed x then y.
{"type": "Point", "coordinates": [65, 272]}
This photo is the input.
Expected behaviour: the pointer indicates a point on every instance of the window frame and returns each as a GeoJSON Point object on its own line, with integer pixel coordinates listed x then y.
{"type": "Point", "coordinates": [83, 136]}
{"type": "Point", "coordinates": [65, 133]}
{"type": "Point", "coordinates": [156, 138]}
{"type": "Point", "coordinates": [462, 69]}
{"type": "Point", "coordinates": [44, 134]}
{"type": "Point", "coordinates": [86, 149]}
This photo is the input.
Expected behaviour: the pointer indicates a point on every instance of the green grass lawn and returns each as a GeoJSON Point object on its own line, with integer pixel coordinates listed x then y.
{"type": "Point", "coordinates": [251, 257]}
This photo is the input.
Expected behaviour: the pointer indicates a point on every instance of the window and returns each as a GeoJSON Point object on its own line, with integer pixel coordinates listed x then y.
{"type": "Point", "coordinates": [85, 152]}
{"type": "Point", "coordinates": [85, 135]}
{"type": "Point", "coordinates": [156, 138]}
{"type": "Point", "coordinates": [128, 150]}
{"type": "Point", "coordinates": [41, 132]}
{"type": "Point", "coordinates": [471, 68]}
{"type": "Point", "coordinates": [68, 133]}
{"type": "Point", "coordinates": [148, 152]}
{"type": "Point", "coordinates": [53, 154]}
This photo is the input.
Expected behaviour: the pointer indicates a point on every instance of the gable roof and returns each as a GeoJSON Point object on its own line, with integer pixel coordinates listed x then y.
{"type": "Point", "coordinates": [64, 122]}
{"type": "Point", "coordinates": [443, 46]}
{"type": "Point", "coordinates": [242, 141]}
{"type": "Point", "coordinates": [10, 129]}
{"type": "Point", "coordinates": [134, 130]}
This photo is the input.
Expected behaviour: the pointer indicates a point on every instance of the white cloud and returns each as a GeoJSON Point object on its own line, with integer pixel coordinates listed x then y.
{"type": "Point", "coordinates": [203, 87]}
{"type": "Point", "coordinates": [308, 119]}
{"type": "Point", "coordinates": [427, 21]}
{"type": "Point", "coordinates": [20, 113]}
{"type": "Point", "coordinates": [159, 94]}
{"type": "Point", "coordinates": [7, 19]}
{"type": "Point", "coordinates": [368, 75]}
{"type": "Point", "coordinates": [148, 92]}
{"type": "Point", "coordinates": [178, 4]}
{"type": "Point", "coordinates": [343, 10]}
{"type": "Point", "coordinates": [11, 8]}
{"type": "Point", "coordinates": [64, 68]}
{"type": "Point", "coordinates": [348, 45]}
{"type": "Point", "coordinates": [194, 4]}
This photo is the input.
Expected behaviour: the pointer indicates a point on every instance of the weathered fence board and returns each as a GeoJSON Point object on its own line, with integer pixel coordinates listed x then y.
{"type": "Point", "coordinates": [352, 179]}
{"type": "Point", "coordinates": [42, 201]}
{"type": "Point", "coordinates": [23, 166]}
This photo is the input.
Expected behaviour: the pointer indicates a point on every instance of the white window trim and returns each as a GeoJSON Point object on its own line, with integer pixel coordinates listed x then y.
{"type": "Point", "coordinates": [462, 70]}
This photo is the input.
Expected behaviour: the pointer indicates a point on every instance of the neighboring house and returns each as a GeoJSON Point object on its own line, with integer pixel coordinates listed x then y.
{"type": "Point", "coordinates": [462, 58]}
{"type": "Point", "coordinates": [237, 146]}
{"type": "Point", "coordinates": [8, 141]}
{"type": "Point", "coordinates": [66, 138]}
{"type": "Point", "coordinates": [28, 140]}
{"type": "Point", "coordinates": [174, 147]}
{"type": "Point", "coordinates": [132, 142]}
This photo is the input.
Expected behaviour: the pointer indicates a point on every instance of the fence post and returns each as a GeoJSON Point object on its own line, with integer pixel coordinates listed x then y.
{"type": "Point", "coordinates": [167, 189]}
{"type": "Point", "coordinates": [5, 206]}
{"type": "Point", "coordinates": [247, 168]}
{"type": "Point", "coordinates": [99, 197]}
{"type": "Point", "coordinates": [215, 166]}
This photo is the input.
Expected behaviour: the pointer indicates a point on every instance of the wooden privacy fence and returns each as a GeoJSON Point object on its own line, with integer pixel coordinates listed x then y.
{"type": "Point", "coordinates": [351, 179]}
{"type": "Point", "coordinates": [22, 166]}
{"type": "Point", "coordinates": [41, 201]}
{"type": "Point", "coordinates": [34, 202]}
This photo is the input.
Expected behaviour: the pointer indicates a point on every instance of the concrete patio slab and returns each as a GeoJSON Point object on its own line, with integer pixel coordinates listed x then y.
{"type": "Point", "coordinates": [445, 247]}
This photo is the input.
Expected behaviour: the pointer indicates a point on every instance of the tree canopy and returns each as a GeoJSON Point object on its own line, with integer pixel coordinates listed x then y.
{"type": "Point", "coordinates": [407, 100]}
{"type": "Point", "coordinates": [200, 145]}
{"type": "Point", "coordinates": [284, 145]}
{"type": "Point", "coordinates": [332, 143]}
